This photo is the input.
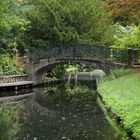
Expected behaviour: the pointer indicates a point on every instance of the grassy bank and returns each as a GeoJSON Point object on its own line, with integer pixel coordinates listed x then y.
{"type": "Point", "coordinates": [122, 95]}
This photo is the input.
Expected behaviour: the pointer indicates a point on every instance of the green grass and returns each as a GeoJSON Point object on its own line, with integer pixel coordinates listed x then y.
{"type": "Point", "coordinates": [122, 95]}
{"type": "Point", "coordinates": [117, 73]}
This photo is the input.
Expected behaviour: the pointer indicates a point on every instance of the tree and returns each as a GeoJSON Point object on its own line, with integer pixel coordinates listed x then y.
{"type": "Point", "coordinates": [12, 24]}
{"type": "Point", "coordinates": [128, 37]}
{"type": "Point", "coordinates": [125, 11]}
{"type": "Point", "coordinates": [59, 21]}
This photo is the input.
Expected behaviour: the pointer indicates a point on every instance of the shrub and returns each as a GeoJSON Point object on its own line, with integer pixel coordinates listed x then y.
{"type": "Point", "coordinates": [127, 37]}
{"type": "Point", "coordinates": [121, 72]}
{"type": "Point", "coordinates": [117, 73]}
{"type": "Point", "coordinates": [9, 65]}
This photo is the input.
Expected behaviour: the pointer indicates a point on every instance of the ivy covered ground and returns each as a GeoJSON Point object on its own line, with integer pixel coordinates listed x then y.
{"type": "Point", "coordinates": [122, 95]}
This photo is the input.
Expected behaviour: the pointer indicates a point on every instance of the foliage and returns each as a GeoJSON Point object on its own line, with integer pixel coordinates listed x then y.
{"type": "Point", "coordinates": [56, 22]}
{"type": "Point", "coordinates": [12, 23]}
{"type": "Point", "coordinates": [125, 11]}
{"type": "Point", "coordinates": [122, 96]}
{"type": "Point", "coordinates": [121, 72]}
{"type": "Point", "coordinates": [9, 65]}
{"type": "Point", "coordinates": [55, 74]}
{"type": "Point", "coordinates": [117, 73]}
{"type": "Point", "coordinates": [127, 37]}
{"type": "Point", "coordinates": [58, 71]}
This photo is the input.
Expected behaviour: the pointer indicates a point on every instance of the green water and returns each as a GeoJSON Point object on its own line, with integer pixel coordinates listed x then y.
{"type": "Point", "coordinates": [56, 113]}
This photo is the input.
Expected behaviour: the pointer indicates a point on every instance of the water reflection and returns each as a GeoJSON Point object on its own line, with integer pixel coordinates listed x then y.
{"type": "Point", "coordinates": [45, 122]}
{"type": "Point", "coordinates": [59, 113]}
{"type": "Point", "coordinates": [6, 93]}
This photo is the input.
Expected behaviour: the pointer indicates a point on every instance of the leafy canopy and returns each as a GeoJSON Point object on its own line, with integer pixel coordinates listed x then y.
{"type": "Point", "coordinates": [12, 23]}
{"type": "Point", "coordinates": [125, 11]}
{"type": "Point", "coordinates": [128, 36]}
{"type": "Point", "coordinates": [58, 21]}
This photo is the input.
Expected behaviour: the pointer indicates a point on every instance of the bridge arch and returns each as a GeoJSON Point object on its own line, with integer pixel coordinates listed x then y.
{"type": "Point", "coordinates": [38, 70]}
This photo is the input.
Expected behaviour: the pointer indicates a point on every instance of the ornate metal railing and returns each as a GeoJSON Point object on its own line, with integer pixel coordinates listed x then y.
{"type": "Point", "coordinates": [80, 51]}
{"type": "Point", "coordinates": [13, 78]}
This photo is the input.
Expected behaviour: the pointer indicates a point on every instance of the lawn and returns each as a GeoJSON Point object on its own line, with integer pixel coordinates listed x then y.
{"type": "Point", "coordinates": [122, 95]}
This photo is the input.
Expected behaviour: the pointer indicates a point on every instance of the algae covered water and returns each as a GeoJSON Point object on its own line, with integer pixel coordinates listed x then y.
{"type": "Point", "coordinates": [56, 113]}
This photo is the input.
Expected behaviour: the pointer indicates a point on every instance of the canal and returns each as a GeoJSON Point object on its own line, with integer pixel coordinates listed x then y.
{"type": "Point", "coordinates": [56, 113]}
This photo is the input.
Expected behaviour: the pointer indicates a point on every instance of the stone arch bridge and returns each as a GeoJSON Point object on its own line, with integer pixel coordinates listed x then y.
{"type": "Point", "coordinates": [37, 70]}
{"type": "Point", "coordinates": [102, 57]}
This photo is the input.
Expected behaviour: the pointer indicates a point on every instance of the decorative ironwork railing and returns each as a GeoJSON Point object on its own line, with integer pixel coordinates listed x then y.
{"type": "Point", "coordinates": [80, 51]}
{"type": "Point", "coordinates": [13, 78]}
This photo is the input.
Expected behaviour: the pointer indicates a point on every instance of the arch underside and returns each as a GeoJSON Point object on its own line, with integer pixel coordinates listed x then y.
{"type": "Point", "coordinates": [42, 71]}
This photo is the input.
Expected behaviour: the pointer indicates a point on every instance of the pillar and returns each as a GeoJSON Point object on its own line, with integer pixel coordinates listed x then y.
{"type": "Point", "coordinates": [131, 56]}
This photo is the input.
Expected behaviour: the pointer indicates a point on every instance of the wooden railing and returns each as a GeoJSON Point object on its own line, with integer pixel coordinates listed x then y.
{"type": "Point", "coordinates": [13, 78]}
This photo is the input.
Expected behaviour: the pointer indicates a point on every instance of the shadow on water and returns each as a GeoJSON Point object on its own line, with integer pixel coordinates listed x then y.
{"type": "Point", "coordinates": [63, 113]}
